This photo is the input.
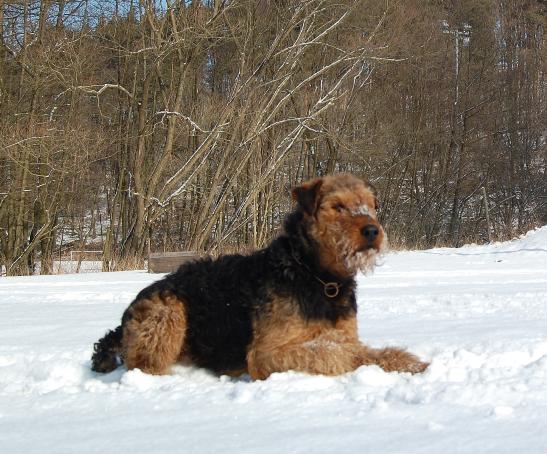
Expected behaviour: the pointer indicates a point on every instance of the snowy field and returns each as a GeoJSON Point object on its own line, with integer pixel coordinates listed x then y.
{"type": "Point", "coordinates": [479, 314]}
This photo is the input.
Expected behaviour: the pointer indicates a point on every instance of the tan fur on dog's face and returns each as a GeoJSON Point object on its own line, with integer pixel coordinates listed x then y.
{"type": "Point", "coordinates": [338, 208]}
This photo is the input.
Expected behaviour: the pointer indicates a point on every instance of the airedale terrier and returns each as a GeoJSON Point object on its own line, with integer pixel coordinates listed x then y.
{"type": "Point", "coordinates": [290, 306]}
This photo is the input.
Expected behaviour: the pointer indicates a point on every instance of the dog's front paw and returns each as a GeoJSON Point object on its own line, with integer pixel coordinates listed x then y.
{"type": "Point", "coordinates": [397, 360]}
{"type": "Point", "coordinates": [417, 367]}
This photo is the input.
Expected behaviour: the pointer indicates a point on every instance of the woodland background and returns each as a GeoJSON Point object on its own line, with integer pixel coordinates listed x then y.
{"type": "Point", "coordinates": [181, 125]}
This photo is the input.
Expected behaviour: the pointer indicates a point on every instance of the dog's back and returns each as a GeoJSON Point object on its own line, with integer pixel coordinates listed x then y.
{"type": "Point", "coordinates": [220, 297]}
{"type": "Point", "coordinates": [217, 298]}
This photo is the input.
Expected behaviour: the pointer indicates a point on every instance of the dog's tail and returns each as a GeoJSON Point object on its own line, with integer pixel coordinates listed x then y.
{"type": "Point", "coordinates": [106, 352]}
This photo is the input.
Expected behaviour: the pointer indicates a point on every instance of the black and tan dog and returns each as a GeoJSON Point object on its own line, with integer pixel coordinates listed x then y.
{"type": "Point", "coordinates": [290, 306]}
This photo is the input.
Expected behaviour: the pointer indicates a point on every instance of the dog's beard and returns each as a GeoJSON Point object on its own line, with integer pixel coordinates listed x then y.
{"type": "Point", "coordinates": [361, 260]}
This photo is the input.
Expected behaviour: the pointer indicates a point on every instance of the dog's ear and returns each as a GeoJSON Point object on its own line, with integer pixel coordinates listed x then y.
{"type": "Point", "coordinates": [375, 194]}
{"type": "Point", "coordinates": [306, 195]}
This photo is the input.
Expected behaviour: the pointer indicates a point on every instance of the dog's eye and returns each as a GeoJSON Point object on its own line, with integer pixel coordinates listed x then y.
{"type": "Point", "coordinates": [339, 207]}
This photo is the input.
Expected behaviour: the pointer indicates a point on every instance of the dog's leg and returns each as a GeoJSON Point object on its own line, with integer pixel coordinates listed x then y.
{"type": "Point", "coordinates": [283, 341]}
{"type": "Point", "coordinates": [317, 356]}
{"type": "Point", "coordinates": [392, 360]}
{"type": "Point", "coordinates": [153, 336]}
{"type": "Point", "coordinates": [322, 356]}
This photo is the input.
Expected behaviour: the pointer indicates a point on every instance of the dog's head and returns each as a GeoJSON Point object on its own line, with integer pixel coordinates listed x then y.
{"type": "Point", "coordinates": [340, 215]}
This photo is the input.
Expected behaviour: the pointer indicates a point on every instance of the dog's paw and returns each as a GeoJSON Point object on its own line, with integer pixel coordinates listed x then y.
{"type": "Point", "coordinates": [397, 360]}
{"type": "Point", "coordinates": [417, 367]}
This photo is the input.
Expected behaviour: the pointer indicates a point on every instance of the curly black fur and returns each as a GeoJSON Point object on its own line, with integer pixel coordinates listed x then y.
{"type": "Point", "coordinates": [106, 351]}
{"type": "Point", "coordinates": [223, 296]}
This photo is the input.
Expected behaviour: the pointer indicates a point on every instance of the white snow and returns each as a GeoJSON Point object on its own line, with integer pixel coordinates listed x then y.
{"type": "Point", "coordinates": [478, 313]}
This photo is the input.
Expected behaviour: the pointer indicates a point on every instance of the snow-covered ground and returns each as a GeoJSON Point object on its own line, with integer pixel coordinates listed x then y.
{"type": "Point", "coordinates": [478, 313]}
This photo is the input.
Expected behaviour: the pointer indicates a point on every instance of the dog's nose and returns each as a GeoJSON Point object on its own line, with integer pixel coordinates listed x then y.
{"type": "Point", "coordinates": [370, 232]}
